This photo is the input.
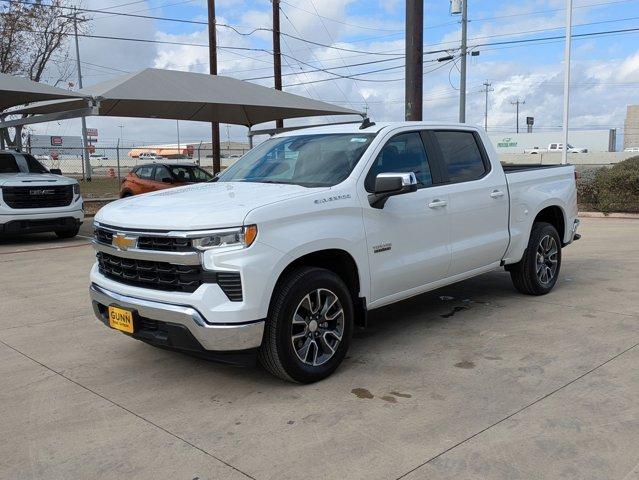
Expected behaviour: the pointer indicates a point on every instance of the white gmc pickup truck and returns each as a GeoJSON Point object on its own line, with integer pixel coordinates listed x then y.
{"type": "Point", "coordinates": [34, 199]}
{"type": "Point", "coordinates": [284, 254]}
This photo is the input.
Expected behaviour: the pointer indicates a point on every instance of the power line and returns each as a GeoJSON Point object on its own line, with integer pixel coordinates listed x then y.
{"type": "Point", "coordinates": [341, 22]}
{"type": "Point", "coordinates": [201, 23]}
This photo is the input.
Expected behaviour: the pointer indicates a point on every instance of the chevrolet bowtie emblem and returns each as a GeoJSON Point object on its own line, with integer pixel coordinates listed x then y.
{"type": "Point", "coordinates": [123, 242]}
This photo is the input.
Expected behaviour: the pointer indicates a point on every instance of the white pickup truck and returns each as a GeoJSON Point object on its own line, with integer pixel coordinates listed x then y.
{"type": "Point", "coordinates": [34, 199]}
{"type": "Point", "coordinates": [556, 147]}
{"type": "Point", "coordinates": [283, 256]}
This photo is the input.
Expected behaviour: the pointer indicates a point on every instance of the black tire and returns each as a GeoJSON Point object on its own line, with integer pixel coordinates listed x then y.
{"type": "Point", "coordinates": [277, 353]}
{"type": "Point", "coordinates": [126, 194]}
{"type": "Point", "coordinates": [524, 273]}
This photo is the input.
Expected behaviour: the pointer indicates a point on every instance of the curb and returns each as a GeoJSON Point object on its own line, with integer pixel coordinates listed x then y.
{"type": "Point", "coordinates": [633, 216]}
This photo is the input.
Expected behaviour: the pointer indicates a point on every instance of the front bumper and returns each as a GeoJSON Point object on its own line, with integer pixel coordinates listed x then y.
{"type": "Point", "coordinates": [17, 223]}
{"type": "Point", "coordinates": [180, 327]}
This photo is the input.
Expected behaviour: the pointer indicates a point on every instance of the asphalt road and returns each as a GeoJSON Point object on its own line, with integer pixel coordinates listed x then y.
{"type": "Point", "coordinates": [473, 381]}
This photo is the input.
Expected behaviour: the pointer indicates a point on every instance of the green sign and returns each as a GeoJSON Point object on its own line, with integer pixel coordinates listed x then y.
{"type": "Point", "coordinates": [507, 142]}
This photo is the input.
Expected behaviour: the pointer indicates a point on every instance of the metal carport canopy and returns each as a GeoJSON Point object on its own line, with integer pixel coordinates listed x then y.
{"type": "Point", "coordinates": [18, 91]}
{"type": "Point", "coordinates": [169, 94]}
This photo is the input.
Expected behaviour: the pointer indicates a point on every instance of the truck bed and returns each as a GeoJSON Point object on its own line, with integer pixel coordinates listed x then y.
{"type": "Point", "coordinates": [511, 168]}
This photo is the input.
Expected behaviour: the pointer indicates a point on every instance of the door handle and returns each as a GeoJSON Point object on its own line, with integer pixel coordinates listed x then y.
{"type": "Point", "coordinates": [497, 194]}
{"type": "Point", "coordinates": [437, 203]}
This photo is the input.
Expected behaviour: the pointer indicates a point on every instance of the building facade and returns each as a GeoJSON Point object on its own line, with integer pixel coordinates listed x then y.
{"type": "Point", "coordinates": [631, 127]}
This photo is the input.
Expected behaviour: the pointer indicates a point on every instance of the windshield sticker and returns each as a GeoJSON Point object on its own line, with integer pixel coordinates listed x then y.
{"type": "Point", "coordinates": [359, 140]}
{"type": "Point", "coordinates": [344, 196]}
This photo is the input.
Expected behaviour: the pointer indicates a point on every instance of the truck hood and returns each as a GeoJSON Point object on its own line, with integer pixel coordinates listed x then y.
{"type": "Point", "coordinates": [28, 179]}
{"type": "Point", "coordinates": [197, 207]}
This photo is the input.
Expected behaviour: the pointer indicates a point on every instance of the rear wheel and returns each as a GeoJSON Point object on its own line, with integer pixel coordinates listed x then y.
{"type": "Point", "coordinates": [537, 272]}
{"type": "Point", "coordinates": [309, 327]}
{"type": "Point", "coordinates": [68, 233]}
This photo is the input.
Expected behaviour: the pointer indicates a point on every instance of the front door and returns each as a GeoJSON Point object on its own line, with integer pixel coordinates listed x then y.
{"type": "Point", "coordinates": [408, 239]}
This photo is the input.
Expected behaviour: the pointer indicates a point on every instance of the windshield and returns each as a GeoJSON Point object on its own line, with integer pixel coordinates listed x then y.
{"type": "Point", "coordinates": [308, 160]}
{"type": "Point", "coordinates": [9, 163]}
{"type": "Point", "coordinates": [33, 165]}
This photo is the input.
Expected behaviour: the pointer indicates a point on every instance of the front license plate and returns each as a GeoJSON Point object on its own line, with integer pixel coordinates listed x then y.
{"type": "Point", "coordinates": [121, 319]}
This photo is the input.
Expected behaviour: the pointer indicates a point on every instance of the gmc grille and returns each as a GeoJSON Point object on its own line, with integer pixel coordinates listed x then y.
{"type": "Point", "coordinates": [38, 196]}
{"type": "Point", "coordinates": [167, 276]}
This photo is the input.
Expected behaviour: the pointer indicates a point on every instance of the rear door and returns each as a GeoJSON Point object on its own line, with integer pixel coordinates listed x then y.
{"type": "Point", "coordinates": [160, 175]}
{"type": "Point", "coordinates": [478, 200]}
{"type": "Point", "coordinates": [408, 239]}
{"type": "Point", "coordinates": [145, 181]}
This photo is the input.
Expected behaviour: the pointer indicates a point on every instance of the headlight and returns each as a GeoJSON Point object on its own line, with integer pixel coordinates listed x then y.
{"type": "Point", "coordinates": [76, 188]}
{"type": "Point", "coordinates": [244, 237]}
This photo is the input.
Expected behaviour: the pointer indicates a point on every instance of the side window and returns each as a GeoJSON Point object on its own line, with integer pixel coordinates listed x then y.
{"type": "Point", "coordinates": [462, 159]}
{"type": "Point", "coordinates": [145, 172]}
{"type": "Point", "coordinates": [201, 175]}
{"type": "Point", "coordinates": [402, 154]}
{"type": "Point", "coordinates": [160, 173]}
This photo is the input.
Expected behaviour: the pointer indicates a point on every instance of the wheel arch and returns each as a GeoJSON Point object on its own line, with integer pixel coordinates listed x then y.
{"type": "Point", "coordinates": [340, 262]}
{"type": "Point", "coordinates": [554, 215]}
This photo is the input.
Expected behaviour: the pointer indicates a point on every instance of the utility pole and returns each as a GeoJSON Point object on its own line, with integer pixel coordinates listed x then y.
{"type": "Point", "coordinates": [85, 143]}
{"type": "Point", "coordinates": [215, 127]}
{"type": "Point", "coordinates": [462, 77]}
{"type": "Point", "coordinates": [517, 103]}
{"type": "Point", "coordinates": [277, 53]}
{"type": "Point", "coordinates": [414, 59]}
{"type": "Point", "coordinates": [564, 153]}
{"type": "Point", "coordinates": [487, 88]}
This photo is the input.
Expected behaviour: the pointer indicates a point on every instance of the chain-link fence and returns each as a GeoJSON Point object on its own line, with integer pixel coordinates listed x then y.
{"type": "Point", "coordinates": [109, 165]}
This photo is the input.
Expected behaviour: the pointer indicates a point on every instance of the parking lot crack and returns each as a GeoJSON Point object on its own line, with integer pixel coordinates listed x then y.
{"type": "Point", "coordinates": [538, 400]}
{"type": "Point", "coordinates": [116, 404]}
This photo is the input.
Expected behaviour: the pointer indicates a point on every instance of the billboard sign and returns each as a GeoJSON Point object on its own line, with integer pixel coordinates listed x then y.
{"type": "Point", "coordinates": [55, 145]}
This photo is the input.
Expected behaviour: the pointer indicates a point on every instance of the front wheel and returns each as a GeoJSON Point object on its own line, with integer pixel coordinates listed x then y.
{"type": "Point", "coordinates": [537, 272]}
{"type": "Point", "coordinates": [309, 327]}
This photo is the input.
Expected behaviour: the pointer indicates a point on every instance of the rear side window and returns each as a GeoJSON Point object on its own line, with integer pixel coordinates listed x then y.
{"type": "Point", "coordinates": [403, 153]}
{"type": "Point", "coordinates": [145, 172]}
{"type": "Point", "coordinates": [161, 173]}
{"type": "Point", "coordinates": [8, 164]}
{"type": "Point", "coordinates": [462, 159]}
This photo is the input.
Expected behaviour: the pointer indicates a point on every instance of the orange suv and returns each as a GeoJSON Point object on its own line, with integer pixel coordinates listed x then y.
{"type": "Point", "coordinates": [158, 176]}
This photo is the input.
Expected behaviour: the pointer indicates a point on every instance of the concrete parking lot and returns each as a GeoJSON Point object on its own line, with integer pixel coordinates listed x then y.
{"type": "Point", "coordinates": [470, 381]}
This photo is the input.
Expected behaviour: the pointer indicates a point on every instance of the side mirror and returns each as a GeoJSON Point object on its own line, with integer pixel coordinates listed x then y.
{"type": "Point", "coordinates": [390, 184]}
{"type": "Point", "coordinates": [167, 180]}
{"type": "Point", "coordinates": [55, 171]}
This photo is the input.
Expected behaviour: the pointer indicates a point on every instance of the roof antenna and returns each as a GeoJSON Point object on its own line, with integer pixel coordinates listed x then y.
{"type": "Point", "coordinates": [366, 122]}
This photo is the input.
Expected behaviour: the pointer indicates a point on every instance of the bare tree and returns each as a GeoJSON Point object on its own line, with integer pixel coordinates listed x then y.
{"type": "Point", "coordinates": [34, 43]}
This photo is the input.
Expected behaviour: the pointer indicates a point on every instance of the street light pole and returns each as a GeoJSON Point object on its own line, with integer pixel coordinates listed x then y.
{"type": "Point", "coordinates": [564, 153]}
{"type": "Point", "coordinates": [85, 143]}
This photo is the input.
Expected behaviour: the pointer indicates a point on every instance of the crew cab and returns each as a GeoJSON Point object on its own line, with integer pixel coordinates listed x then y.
{"type": "Point", "coordinates": [287, 251]}
{"type": "Point", "coordinates": [34, 199]}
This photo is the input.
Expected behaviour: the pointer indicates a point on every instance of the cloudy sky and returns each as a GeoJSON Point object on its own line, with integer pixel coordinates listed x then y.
{"type": "Point", "coordinates": [365, 39]}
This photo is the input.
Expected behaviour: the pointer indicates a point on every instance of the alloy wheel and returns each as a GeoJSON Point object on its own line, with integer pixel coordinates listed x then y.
{"type": "Point", "coordinates": [318, 327]}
